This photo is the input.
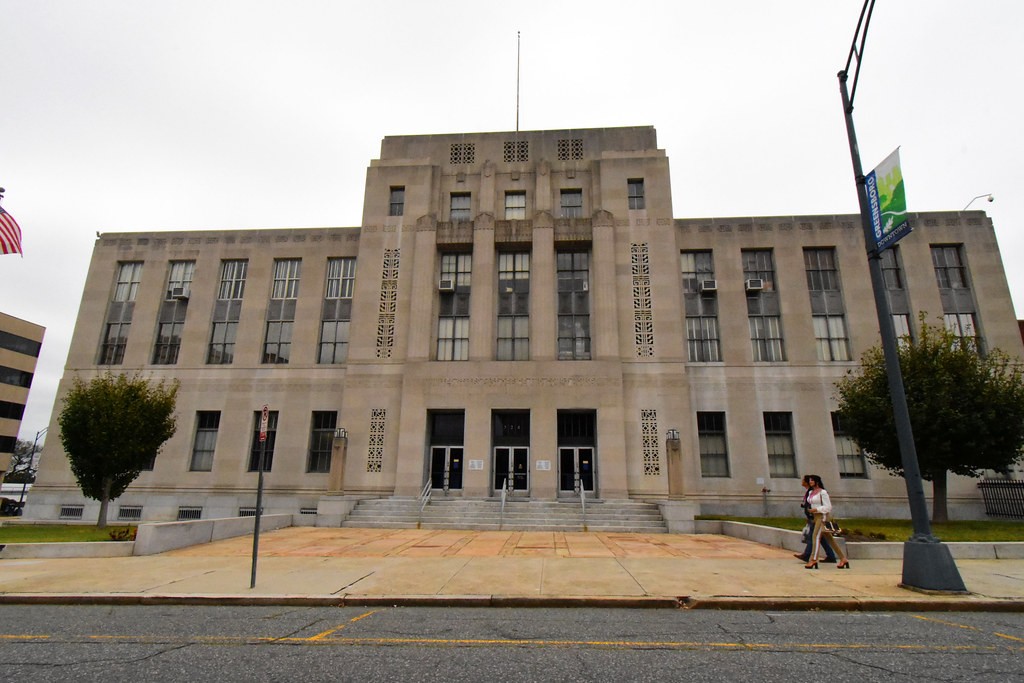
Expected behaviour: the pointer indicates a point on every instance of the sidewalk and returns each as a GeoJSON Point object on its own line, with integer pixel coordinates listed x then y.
{"type": "Point", "coordinates": [336, 566]}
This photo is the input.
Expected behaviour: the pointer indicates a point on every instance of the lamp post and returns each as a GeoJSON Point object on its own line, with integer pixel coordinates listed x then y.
{"type": "Point", "coordinates": [32, 458]}
{"type": "Point", "coordinates": [927, 562]}
{"type": "Point", "coordinates": [989, 197]}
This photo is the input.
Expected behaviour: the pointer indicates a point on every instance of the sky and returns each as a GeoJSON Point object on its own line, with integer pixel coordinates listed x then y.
{"type": "Point", "coordinates": [146, 115]}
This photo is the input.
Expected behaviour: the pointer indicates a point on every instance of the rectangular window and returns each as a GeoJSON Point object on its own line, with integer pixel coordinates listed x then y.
{"type": "Point", "coordinates": [759, 264]}
{"type": "Point", "coordinates": [461, 206]}
{"type": "Point", "coordinates": [573, 305]}
{"type": "Point", "coordinates": [232, 280]}
{"type": "Point", "coordinates": [514, 306]}
{"type": "Point", "coordinates": [128, 277]}
{"type": "Point", "coordinates": [701, 306]}
{"type": "Point", "coordinates": [635, 190]}
{"type": "Point", "coordinates": [396, 202]}
{"type": "Point", "coordinates": [207, 424]}
{"type": "Point", "coordinates": [286, 278]}
{"type": "Point", "coordinates": [820, 265]}
{"type": "Point", "coordinates": [572, 203]}
{"type": "Point", "coordinates": [337, 310]}
{"type": "Point", "coordinates": [179, 280]}
{"type": "Point", "coordinates": [778, 434]}
{"type": "Point", "coordinates": [949, 267]}
{"type": "Point", "coordinates": [714, 454]}
{"type": "Point", "coordinates": [226, 312]}
{"type": "Point", "coordinates": [901, 323]}
{"type": "Point", "coordinates": [168, 341]}
{"type": "Point", "coordinates": [766, 338]}
{"type": "Point", "coordinates": [172, 313]}
{"type": "Point", "coordinates": [453, 318]}
{"type": "Point", "coordinates": [830, 337]}
{"type": "Point", "coordinates": [119, 313]}
{"type": "Point", "coordinates": [277, 341]}
{"type": "Point", "coordinates": [321, 440]}
{"type": "Point", "coordinates": [962, 325]}
{"type": "Point", "coordinates": [852, 464]}
{"type": "Point", "coordinates": [256, 448]}
{"type": "Point", "coordinates": [515, 206]}
{"type": "Point", "coordinates": [115, 340]}
{"type": "Point", "coordinates": [891, 272]}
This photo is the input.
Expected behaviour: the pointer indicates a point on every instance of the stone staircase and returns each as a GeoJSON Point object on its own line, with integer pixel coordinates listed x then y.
{"type": "Point", "coordinates": [520, 515]}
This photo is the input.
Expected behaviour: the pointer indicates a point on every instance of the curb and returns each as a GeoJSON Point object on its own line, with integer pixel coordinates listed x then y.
{"type": "Point", "coordinates": [781, 603]}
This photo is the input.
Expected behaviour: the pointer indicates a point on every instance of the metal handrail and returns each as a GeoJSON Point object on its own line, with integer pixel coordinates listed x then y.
{"type": "Point", "coordinates": [583, 504]}
{"type": "Point", "coordinates": [504, 495]}
{"type": "Point", "coordinates": [425, 498]}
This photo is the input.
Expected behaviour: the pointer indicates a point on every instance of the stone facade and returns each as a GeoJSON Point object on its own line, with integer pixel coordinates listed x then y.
{"type": "Point", "coordinates": [524, 311]}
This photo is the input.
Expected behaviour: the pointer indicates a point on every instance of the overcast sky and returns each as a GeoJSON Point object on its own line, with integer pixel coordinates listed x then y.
{"type": "Point", "coordinates": [139, 115]}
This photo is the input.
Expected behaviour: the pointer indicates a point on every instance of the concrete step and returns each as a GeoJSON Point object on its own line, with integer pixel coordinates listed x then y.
{"type": "Point", "coordinates": [526, 515]}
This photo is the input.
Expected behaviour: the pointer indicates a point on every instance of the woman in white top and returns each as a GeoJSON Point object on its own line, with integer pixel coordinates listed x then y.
{"type": "Point", "coordinates": [821, 506]}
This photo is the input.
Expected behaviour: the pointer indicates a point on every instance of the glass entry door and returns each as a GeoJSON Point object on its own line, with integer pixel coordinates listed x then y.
{"type": "Point", "coordinates": [576, 469]}
{"type": "Point", "coordinates": [446, 467]}
{"type": "Point", "coordinates": [512, 465]}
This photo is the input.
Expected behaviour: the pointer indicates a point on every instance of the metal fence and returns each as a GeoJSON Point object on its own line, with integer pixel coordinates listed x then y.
{"type": "Point", "coordinates": [1003, 497]}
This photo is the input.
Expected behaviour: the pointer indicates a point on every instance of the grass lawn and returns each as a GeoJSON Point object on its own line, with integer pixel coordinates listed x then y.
{"type": "Point", "coordinates": [899, 529]}
{"type": "Point", "coordinates": [59, 533]}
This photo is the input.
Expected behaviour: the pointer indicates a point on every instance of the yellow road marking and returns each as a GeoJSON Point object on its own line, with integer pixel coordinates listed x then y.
{"type": "Point", "coordinates": [321, 636]}
{"type": "Point", "coordinates": [946, 623]}
{"type": "Point", "coordinates": [322, 640]}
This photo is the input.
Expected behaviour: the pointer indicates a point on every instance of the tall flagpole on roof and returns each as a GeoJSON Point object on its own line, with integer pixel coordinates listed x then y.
{"type": "Point", "coordinates": [517, 80]}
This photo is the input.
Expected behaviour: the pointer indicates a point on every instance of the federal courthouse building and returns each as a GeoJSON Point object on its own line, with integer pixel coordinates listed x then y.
{"type": "Point", "coordinates": [517, 311]}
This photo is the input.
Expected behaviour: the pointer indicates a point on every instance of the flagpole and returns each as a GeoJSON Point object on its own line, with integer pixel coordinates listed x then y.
{"type": "Point", "coordinates": [517, 80]}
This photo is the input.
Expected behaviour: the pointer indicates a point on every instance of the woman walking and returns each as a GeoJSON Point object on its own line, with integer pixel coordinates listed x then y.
{"type": "Point", "coordinates": [820, 507]}
{"type": "Point", "coordinates": [830, 557]}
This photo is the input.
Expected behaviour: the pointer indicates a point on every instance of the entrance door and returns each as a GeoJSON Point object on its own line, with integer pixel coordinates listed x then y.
{"type": "Point", "coordinates": [576, 469]}
{"type": "Point", "coordinates": [446, 467]}
{"type": "Point", "coordinates": [512, 464]}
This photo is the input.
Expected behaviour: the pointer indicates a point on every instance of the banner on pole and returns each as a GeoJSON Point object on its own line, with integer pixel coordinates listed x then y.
{"type": "Point", "coordinates": [888, 202]}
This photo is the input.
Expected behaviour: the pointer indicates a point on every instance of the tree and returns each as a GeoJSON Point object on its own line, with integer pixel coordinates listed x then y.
{"type": "Point", "coordinates": [22, 468]}
{"type": "Point", "coordinates": [966, 408]}
{"type": "Point", "coordinates": [112, 428]}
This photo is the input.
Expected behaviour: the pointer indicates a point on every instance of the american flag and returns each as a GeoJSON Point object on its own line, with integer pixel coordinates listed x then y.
{"type": "Point", "coordinates": [10, 234]}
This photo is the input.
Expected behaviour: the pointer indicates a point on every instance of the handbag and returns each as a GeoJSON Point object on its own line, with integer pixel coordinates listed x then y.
{"type": "Point", "coordinates": [832, 527]}
{"type": "Point", "coordinates": [805, 536]}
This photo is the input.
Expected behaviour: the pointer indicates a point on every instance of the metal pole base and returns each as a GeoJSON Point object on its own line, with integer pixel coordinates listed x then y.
{"type": "Point", "coordinates": [929, 566]}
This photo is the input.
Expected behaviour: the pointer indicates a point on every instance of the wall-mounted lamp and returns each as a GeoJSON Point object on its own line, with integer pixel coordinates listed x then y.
{"type": "Point", "coordinates": [340, 433]}
{"type": "Point", "coordinates": [673, 435]}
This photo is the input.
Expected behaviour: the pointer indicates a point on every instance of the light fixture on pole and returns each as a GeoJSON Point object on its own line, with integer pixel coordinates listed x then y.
{"type": "Point", "coordinates": [927, 562]}
{"type": "Point", "coordinates": [989, 197]}
{"type": "Point", "coordinates": [340, 433]}
{"type": "Point", "coordinates": [32, 459]}
{"type": "Point", "coordinates": [673, 435]}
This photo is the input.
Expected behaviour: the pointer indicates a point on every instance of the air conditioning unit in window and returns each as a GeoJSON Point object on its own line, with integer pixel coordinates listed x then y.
{"type": "Point", "coordinates": [179, 293]}
{"type": "Point", "coordinates": [754, 284]}
{"type": "Point", "coordinates": [446, 285]}
{"type": "Point", "coordinates": [708, 286]}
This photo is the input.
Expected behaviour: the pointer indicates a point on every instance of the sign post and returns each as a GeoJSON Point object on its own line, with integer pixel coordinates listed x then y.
{"type": "Point", "coordinates": [264, 420]}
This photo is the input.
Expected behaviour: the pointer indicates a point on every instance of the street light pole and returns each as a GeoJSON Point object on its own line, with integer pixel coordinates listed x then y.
{"type": "Point", "coordinates": [32, 458]}
{"type": "Point", "coordinates": [927, 562]}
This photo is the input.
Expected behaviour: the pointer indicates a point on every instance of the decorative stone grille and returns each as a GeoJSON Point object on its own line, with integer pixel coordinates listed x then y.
{"type": "Point", "coordinates": [570, 149]}
{"type": "Point", "coordinates": [375, 454]}
{"type": "Point", "coordinates": [643, 316]}
{"type": "Point", "coordinates": [649, 435]}
{"type": "Point", "coordinates": [463, 153]}
{"type": "Point", "coordinates": [388, 303]}
{"type": "Point", "coordinates": [517, 150]}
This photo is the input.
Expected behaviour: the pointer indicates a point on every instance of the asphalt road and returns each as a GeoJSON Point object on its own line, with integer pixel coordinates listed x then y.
{"type": "Point", "coordinates": [157, 643]}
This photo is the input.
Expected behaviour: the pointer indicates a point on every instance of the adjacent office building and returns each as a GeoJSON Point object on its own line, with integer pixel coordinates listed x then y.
{"type": "Point", "coordinates": [517, 311]}
{"type": "Point", "coordinates": [20, 342]}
